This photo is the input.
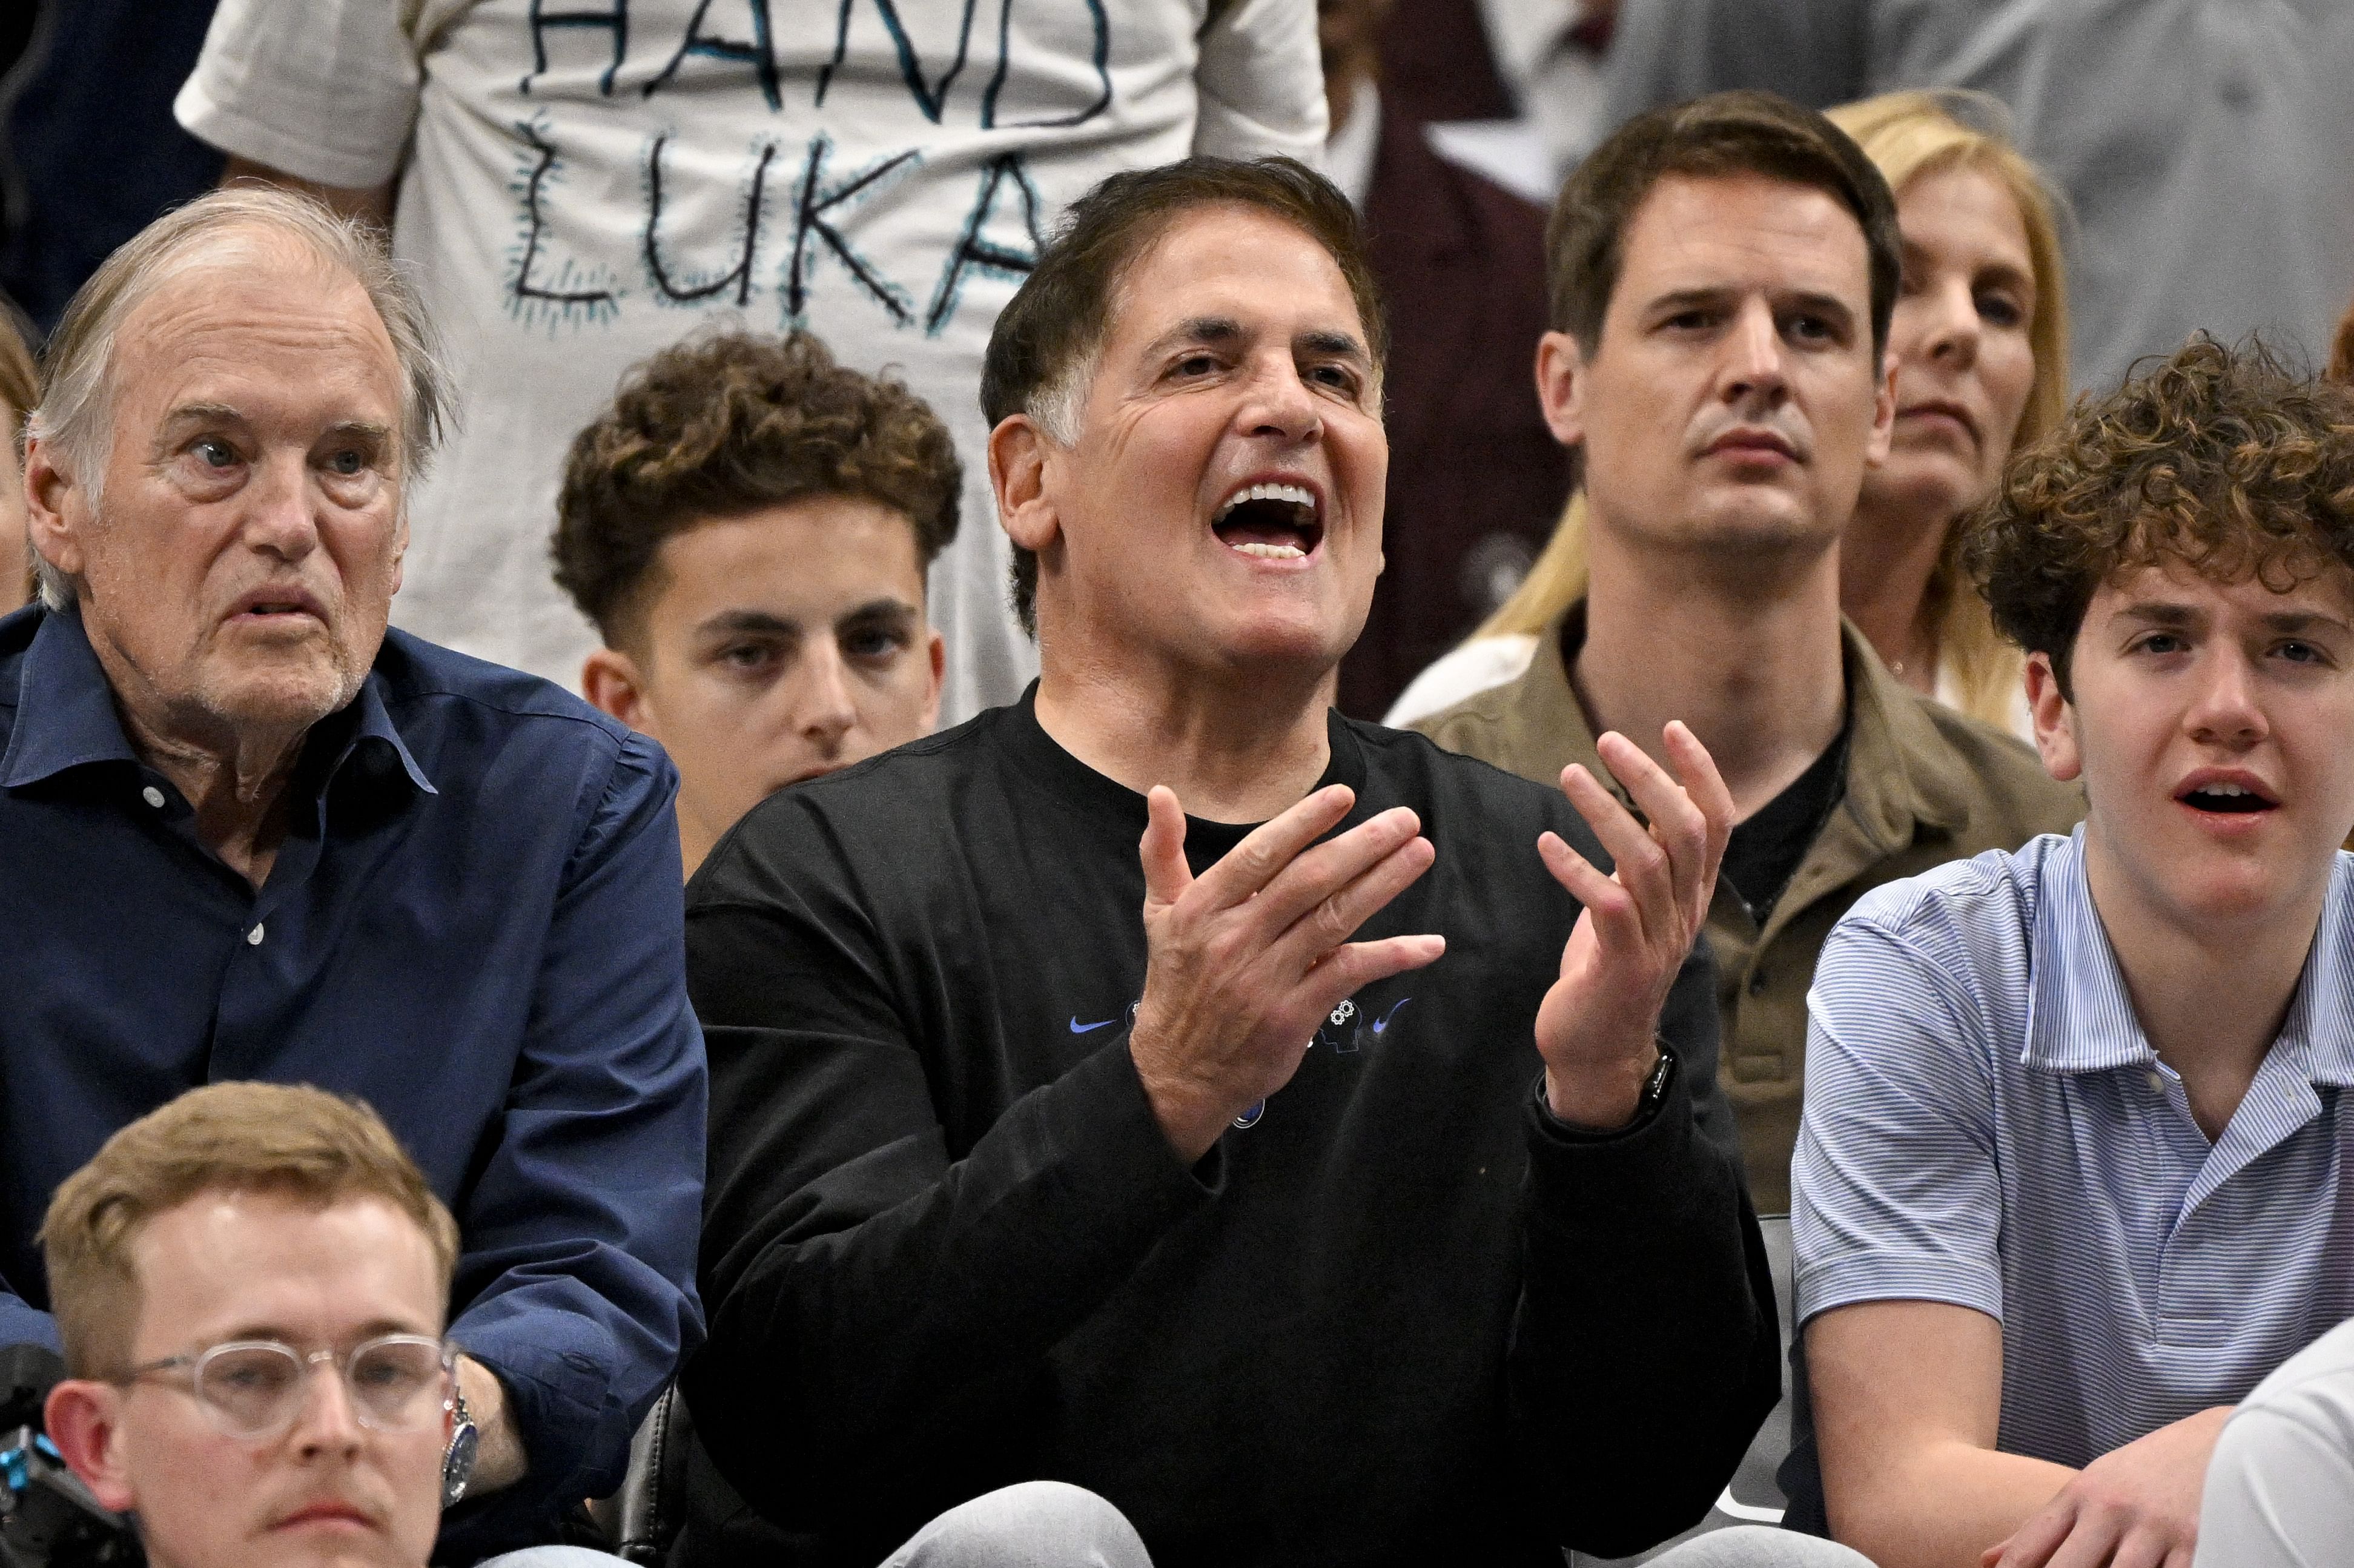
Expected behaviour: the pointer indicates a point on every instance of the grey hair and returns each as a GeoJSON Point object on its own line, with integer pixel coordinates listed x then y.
{"type": "Point", "coordinates": [75, 417]}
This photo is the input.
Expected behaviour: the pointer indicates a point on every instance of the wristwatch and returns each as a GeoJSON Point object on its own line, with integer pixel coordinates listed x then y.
{"type": "Point", "coordinates": [458, 1461]}
{"type": "Point", "coordinates": [1646, 1106]}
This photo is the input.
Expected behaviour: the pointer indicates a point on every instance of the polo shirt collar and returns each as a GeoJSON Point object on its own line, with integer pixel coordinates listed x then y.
{"type": "Point", "coordinates": [66, 716]}
{"type": "Point", "coordinates": [2081, 1019]}
{"type": "Point", "coordinates": [2320, 1021]}
{"type": "Point", "coordinates": [2079, 1016]}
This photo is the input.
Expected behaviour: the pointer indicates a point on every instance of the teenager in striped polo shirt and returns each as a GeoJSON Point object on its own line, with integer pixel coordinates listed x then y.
{"type": "Point", "coordinates": [2077, 1166]}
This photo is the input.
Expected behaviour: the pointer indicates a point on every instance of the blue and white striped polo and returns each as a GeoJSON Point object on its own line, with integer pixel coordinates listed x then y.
{"type": "Point", "coordinates": [1987, 1124]}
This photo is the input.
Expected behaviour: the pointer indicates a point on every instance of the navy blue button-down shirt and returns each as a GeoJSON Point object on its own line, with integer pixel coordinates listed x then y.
{"type": "Point", "coordinates": [474, 923]}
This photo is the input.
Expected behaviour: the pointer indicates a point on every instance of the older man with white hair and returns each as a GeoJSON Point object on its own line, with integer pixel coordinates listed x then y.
{"type": "Point", "coordinates": [252, 834]}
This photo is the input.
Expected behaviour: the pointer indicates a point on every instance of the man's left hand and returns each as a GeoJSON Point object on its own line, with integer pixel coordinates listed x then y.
{"type": "Point", "coordinates": [2137, 1505]}
{"type": "Point", "coordinates": [1596, 1026]}
{"type": "Point", "coordinates": [500, 1460]}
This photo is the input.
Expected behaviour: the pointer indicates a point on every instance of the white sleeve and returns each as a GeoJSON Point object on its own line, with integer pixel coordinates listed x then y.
{"type": "Point", "coordinates": [1261, 82]}
{"type": "Point", "coordinates": [2280, 1490]}
{"type": "Point", "coordinates": [325, 90]}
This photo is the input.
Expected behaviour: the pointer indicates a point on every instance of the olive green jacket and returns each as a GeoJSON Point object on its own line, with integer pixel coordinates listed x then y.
{"type": "Point", "coordinates": [1924, 785]}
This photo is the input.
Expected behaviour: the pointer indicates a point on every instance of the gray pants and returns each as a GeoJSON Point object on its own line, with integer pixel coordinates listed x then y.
{"type": "Point", "coordinates": [1759, 1546]}
{"type": "Point", "coordinates": [1038, 1525]}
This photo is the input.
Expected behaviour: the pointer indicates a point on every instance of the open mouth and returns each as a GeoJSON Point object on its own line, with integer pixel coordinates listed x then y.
{"type": "Point", "coordinates": [2226, 799]}
{"type": "Point", "coordinates": [1271, 522]}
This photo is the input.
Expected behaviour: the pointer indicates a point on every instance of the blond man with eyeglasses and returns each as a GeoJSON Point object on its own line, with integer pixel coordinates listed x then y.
{"type": "Point", "coordinates": [250, 1282]}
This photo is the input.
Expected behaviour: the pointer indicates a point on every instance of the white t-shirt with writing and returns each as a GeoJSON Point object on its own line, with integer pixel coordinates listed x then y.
{"type": "Point", "coordinates": [581, 182]}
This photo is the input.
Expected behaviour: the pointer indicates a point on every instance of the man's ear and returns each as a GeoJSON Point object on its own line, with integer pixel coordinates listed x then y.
{"type": "Point", "coordinates": [939, 653]}
{"type": "Point", "coordinates": [84, 1420]}
{"type": "Point", "coordinates": [399, 540]}
{"type": "Point", "coordinates": [1561, 387]}
{"type": "Point", "coordinates": [1019, 452]}
{"type": "Point", "coordinates": [1883, 414]}
{"type": "Point", "coordinates": [610, 682]}
{"type": "Point", "coordinates": [2055, 720]}
{"type": "Point", "coordinates": [49, 491]}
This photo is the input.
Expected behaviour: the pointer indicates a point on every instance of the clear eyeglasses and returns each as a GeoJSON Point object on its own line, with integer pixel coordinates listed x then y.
{"type": "Point", "coordinates": [253, 1389]}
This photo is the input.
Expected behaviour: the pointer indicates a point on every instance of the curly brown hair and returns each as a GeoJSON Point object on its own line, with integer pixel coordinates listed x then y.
{"type": "Point", "coordinates": [2217, 457]}
{"type": "Point", "coordinates": [726, 423]}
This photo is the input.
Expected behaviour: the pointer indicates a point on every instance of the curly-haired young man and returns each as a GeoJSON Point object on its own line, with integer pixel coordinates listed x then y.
{"type": "Point", "coordinates": [2075, 1171]}
{"type": "Point", "coordinates": [749, 525]}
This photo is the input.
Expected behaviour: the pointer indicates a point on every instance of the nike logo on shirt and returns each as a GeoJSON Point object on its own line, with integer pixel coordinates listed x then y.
{"type": "Point", "coordinates": [1080, 1028]}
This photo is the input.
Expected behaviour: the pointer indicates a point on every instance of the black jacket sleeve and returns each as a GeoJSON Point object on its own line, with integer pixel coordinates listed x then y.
{"type": "Point", "coordinates": [872, 1301]}
{"type": "Point", "coordinates": [1645, 1353]}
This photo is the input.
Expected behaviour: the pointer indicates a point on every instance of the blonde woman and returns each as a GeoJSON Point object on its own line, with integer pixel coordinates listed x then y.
{"type": "Point", "coordinates": [1979, 339]}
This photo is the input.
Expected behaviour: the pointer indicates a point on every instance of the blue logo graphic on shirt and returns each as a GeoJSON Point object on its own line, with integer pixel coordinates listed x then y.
{"type": "Point", "coordinates": [1348, 1042]}
{"type": "Point", "coordinates": [1347, 1029]}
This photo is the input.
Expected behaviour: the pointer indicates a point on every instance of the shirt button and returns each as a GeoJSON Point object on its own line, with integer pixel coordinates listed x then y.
{"type": "Point", "coordinates": [2157, 1084]}
{"type": "Point", "coordinates": [1758, 982]}
{"type": "Point", "coordinates": [152, 796]}
{"type": "Point", "coordinates": [253, 938]}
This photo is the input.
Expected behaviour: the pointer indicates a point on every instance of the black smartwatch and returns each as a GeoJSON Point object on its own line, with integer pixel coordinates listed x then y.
{"type": "Point", "coordinates": [458, 1461]}
{"type": "Point", "coordinates": [1646, 1106]}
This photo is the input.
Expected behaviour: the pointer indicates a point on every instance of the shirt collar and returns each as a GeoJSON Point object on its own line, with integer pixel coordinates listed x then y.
{"type": "Point", "coordinates": [372, 722]}
{"type": "Point", "coordinates": [2321, 1023]}
{"type": "Point", "coordinates": [1903, 773]}
{"type": "Point", "coordinates": [2080, 1018]}
{"type": "Point", "coordinates": [66, 716]}
{"type": "Point", "coordinates": [65, 708]}
{"type": "Point", "coordinates": [1895, 778]}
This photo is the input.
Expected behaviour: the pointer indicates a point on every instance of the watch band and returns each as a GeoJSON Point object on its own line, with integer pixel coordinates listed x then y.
{"type": "Point", "coordinates": [458, 1459]}
{"type": "Point", "coordinates": [1656, 1089]}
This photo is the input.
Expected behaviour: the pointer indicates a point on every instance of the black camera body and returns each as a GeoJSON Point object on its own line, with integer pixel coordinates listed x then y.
{"type": "Point", "coordinates": [47, 1518]}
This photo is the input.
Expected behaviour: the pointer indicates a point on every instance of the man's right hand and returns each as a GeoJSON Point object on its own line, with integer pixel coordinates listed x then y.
{"type": "Point", "coordinates": [1242, 963]}
{"type": "Point", "coordinates": [2134, 1505]}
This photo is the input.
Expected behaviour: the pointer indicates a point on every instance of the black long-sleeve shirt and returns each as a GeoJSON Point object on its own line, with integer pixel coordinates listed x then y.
{"type": "Point", "coordinates": [1403, 1316]}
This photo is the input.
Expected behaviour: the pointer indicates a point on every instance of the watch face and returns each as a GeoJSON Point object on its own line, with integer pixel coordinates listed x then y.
{"type": "Point", "coordinates": [457, 1464]}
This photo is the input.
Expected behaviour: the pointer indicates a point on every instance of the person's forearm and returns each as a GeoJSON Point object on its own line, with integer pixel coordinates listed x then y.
{"type": "Point", "coordinates": [1941, 1506]}
{"type": "Point", "coordinates": [500, 1460]}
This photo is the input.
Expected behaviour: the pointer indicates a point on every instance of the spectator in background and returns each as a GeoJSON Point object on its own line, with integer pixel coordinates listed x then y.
{"type": "Point", "coordinates": [281, 841]}
{"type": "Point", "coordinates": [1979, 345]}
{"type": "Point", "coordinates": [749, 525]}
{"type": "Point", "coordinates": [2074, 1176]}
{"type": "Point", "coordinates": [89, 151]}
{"type": "Point", "coordinates": [1724, 275]}
{"type": "Point", "coordinates": [576, 187]}
{"type": "Point", "coordinates": [2280, 1488]}
{"type": "Point", "coordinates": [251, 1284]}
{"type": "Point", "coordinates": [1517, 83]}
{"type": "Point", "coordinates": [1476, 478]}
{"type": "Point", "coordinates": [20, 388]}
{"type": "Point", "coordinates": [1979, 341]}
{"type": "Point", "coordinates": [2200, 142]}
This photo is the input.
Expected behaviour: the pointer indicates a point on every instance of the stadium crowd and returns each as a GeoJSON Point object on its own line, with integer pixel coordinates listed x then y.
{"type": "Point", "coordinates": [1095, 783]}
